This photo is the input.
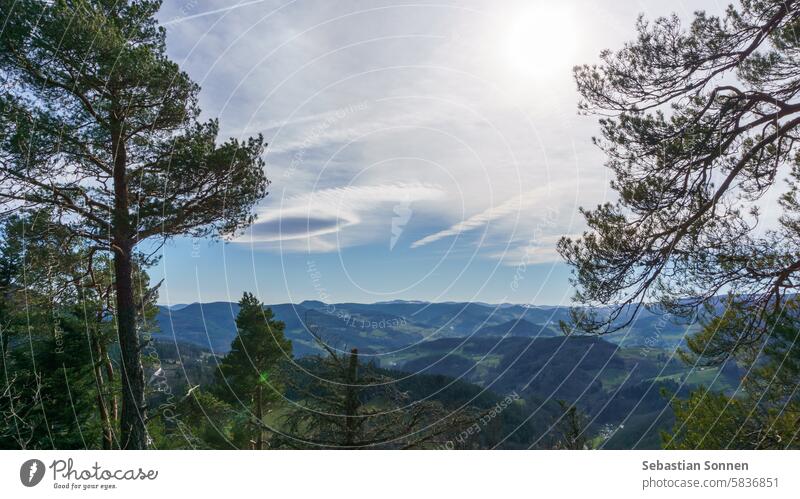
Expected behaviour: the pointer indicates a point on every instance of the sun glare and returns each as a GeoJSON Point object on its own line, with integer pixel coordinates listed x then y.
{"type": "Point", "coordinates": [541, 41]}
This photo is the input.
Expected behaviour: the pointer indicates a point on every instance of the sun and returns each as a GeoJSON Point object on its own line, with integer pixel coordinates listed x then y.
{"type": "Point", "coordinates": [541, 41]}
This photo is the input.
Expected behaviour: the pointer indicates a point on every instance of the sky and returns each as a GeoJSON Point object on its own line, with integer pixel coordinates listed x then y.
{"type": "Point", "coordinates": [417, 151]}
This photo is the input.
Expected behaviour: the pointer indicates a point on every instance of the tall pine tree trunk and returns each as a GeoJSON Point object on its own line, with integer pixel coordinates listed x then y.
{"type": "Point", "coordinates": [132, 422]}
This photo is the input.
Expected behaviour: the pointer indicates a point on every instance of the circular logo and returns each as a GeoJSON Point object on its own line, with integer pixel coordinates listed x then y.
{"type": "Point", "coordinates": [31, 472]}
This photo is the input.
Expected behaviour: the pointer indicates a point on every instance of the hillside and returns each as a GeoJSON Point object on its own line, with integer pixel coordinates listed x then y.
{"type": "Point", "coordinates": [381, 328]}
{"type": "Point", "coordinates": [618, 380]}
{"type": "Point", "coordinates": [519, 327]}
{"type": "Point", "coordinates": [620, 388]}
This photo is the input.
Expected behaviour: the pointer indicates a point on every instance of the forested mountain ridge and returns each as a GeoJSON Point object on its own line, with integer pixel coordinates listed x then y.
{"type": "Point", "coordinates": [623, 387]}
{"type": "Point", "coordinates": [380, 327]}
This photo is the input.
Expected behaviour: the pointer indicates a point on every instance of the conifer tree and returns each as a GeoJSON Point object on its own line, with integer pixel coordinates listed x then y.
{"type": "Point", "coordinates": [98, 125]}
{"type": "Point", "coordinates": [49, 393]}
{"type": "Point", "coordinates": [247, 374]}
{"type": "Point", "coordinates": [699, 122]}
{"type": "Point", "coordinates": [340, 402]}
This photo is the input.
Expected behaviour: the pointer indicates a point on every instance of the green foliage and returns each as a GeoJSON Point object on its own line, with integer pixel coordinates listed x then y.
{"type": "Point", "coordinates": [764, 412]}
{"type": "Point", "coordinates": [255, 356]}
{"type": "Point", "coordinates": [697, 122]}
{"type": "Point", "coordinates": [571, 429]}
{"type": "Point", "coordinates": [49, 396]}
{"type": "Point", "coordinates": [49, 392]}
{"type": "Point", "coordinates": [247, 374]}
{"type": "Point", "coordinates": [228, 409]}
{"type": "Point", "coordinates": [93, 92]}
{"type": "Point", "coordinates": [98, 126]}
{"type": "Point", "coordinates": [338, 402]}
{"type": "Point", "coordinates": [58, 337]}
{"type": "Point", "coordinates": [200, 421]}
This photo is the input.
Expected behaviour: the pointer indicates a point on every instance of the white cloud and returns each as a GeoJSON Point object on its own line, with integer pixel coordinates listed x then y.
{"type": "Point", "coordinates": [537, 250]}
{"type": "Point", "coordinates": [510, 207]}
{"type": "Point", "coordinates": [189, 17]}
{"type": "Point", "coordinates": [305, 220]}
{"type": "Point", "coordinates": [443, 120]}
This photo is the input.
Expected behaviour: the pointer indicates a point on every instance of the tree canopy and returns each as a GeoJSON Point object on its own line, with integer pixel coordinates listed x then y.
{"type": "Point", "coordinates": [699, 123]}
{"type": "Point", "coordinates": [247, 374]}
{"type": "Point", "coordinates": [99, 126]}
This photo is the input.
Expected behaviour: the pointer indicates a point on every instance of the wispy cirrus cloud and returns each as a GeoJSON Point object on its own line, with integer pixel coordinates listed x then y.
{"type": "Point", "coordinates": [309, 218]}
{"type": "Point", "coordinates": [510, 207]}
{"type": "Point", "coordinates": [211, 12]}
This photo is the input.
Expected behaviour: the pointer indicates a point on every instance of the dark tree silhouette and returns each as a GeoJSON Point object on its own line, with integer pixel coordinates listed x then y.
{"type": "Point", "coordinates": [699, 123]}
{"type": "Point", "coordinates": [569, 431]}
{"type": "Point", "coordinates": [342, 403]}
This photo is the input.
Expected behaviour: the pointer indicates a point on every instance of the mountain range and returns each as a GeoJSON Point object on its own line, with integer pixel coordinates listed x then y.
{"type": "Point", "coordinates": [380, 328]}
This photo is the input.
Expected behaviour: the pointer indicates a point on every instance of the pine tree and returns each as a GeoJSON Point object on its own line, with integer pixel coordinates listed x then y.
{"type": "Point", "coordinates": [341, 403]}
{"type": "Point", "coordinates": [764, 411]}
{"type": "Point", "coordinates": [570, 430]}
{"type": "Point", "coordinates": [98, 125]}
{"type": "Point", "coordinates": [50, 397]}
{"type": "Point", "coordinates": [698, 123]}
{"type": "Point", "coordinates": [247, 374]}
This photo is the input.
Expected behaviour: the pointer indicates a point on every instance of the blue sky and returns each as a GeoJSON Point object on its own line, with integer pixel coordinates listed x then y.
{"type": "Point", "coordinates": [416, 151]}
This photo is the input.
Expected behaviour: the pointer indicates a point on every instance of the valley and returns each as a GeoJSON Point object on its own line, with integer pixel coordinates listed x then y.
{"type": "Point", "coordinates": [460, 353]}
